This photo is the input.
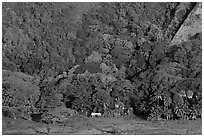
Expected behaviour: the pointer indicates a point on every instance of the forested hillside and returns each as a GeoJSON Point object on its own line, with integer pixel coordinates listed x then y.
{"type": "Point", "coordinates": [90, 56]}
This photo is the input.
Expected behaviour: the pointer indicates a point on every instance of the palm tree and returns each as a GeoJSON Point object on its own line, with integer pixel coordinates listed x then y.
{"type": "Point", "coordinates": [157, 97]}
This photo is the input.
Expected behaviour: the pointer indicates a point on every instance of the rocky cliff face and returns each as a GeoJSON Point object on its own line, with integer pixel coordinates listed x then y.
{"type": "Point", "coordinates": [191, 26]}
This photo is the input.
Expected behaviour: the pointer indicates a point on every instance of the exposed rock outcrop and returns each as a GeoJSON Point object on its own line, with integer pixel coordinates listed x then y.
{"type": "Point", "coordinates": [191, 26]}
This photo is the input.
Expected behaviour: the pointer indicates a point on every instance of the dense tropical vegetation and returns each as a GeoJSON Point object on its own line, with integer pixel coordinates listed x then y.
{"type": "Point", "coordinates": [55, 55]}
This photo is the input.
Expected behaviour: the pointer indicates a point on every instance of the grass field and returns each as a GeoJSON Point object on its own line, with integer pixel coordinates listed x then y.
{"type": "Point", "coordinates": [77, 125]}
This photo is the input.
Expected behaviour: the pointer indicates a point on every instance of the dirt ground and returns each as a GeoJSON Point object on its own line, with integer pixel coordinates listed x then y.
{"type": "Point", "coordinates": [78, 125]}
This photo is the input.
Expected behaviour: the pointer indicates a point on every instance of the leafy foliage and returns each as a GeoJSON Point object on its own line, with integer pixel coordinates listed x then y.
{"type": "Point", "coordinates": [19, 93]}
{"type": "Point", "coordinates": [93, 59]}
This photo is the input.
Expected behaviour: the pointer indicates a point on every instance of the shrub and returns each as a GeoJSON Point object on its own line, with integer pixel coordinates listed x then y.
{"type": "Point", "coordinates": [19, 92]}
